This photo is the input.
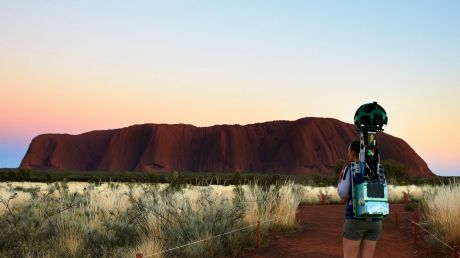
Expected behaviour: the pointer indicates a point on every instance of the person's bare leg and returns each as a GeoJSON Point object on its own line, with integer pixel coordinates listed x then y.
{"type": "Point", "coordinates": [350, 248]}
{"type": "Point", "coordinates": [368, 248]}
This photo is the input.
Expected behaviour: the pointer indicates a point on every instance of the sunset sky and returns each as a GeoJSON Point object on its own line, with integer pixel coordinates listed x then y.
{"type": "Point", "coordinates": [77, 66]}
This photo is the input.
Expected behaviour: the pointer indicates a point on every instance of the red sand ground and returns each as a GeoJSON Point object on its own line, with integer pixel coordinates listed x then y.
{"type": "Point", "coordinates": [320, 235]}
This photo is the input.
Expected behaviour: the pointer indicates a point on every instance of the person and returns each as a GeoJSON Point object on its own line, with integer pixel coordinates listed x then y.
{"type": "Point", "coordinates": [359, 235]}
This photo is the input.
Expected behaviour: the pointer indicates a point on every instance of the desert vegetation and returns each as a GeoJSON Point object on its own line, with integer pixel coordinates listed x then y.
{"type": "Point", "coordinates": [442, 212]}
{"type": "Point", "coordinates": [396, 174]}
{"type": "Point", "coordinates": [116, 214]}
{"type": "Point", "coordinates": [311, 195]}
{"type": "Point", "coordinates": [117, 220]}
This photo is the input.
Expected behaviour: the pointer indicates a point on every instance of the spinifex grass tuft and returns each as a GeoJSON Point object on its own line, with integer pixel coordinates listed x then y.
{"type": "Point", "coordinates": [442, 212]}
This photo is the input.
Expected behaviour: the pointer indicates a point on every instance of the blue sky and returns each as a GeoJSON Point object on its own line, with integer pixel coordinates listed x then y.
{"type": "Point", "coordinates": [77, 66]}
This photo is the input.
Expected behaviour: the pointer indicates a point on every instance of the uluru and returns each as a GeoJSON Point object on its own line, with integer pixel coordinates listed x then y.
{"type": "Point", "coordinates": [304, 146]}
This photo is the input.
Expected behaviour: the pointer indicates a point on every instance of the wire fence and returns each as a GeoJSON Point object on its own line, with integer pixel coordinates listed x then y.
{"type": "Point", "coordinates": [435, 237]}
{"type": "Point", "coordinates": [416, 223]}
{"type": "Point", "coordinates": [209, 238]}
{"type": "Point", "coordinates": [141, 255]}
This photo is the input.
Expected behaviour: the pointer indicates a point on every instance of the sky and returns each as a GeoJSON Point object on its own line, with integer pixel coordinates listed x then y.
{"type": "Point", "coordinates": [78, 66]}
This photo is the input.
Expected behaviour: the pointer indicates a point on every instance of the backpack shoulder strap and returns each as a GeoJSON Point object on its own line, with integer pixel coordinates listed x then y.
{"type": "Point", "coordinates": [348, 169]}
{"type": "Point", "coordinates": [345, 170]}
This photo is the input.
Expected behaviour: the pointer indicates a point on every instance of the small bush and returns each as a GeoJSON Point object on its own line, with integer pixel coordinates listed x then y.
{"type": "Point", "coordinates": [11, 175]}
{"type": "Point", "coordinates": [411, 206]}
{"type": "Point", "coordinates": [236, 178]}
{"type": "Point", "coordinates": [153, 178]}
{"type": "Point", "coordinates": [176, 181]}
{"type": "Point", "coordinates": [49, 178]}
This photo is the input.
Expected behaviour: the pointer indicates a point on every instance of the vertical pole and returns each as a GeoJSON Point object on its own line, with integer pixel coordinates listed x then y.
{"type": "Point", "coordinates": [414, 226]}
{"type": "Point", "coordinates": [405, 197]}
{"type": "Point", "coordinates": [456, 252]}
{"type": "Point", "coordinates": [139, 255]}
{"type": "Point", "coordinates": [258, 234]}
{"type": "Point", "coordinates": [396, 219]}
{"type": "Point", "coordinates": [323, 199]}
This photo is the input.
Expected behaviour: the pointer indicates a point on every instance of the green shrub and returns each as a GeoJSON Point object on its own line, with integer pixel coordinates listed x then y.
{"type": "Point", "coordinates": [275, 179]}
{"type": "Point", "coordinates": [49, 178]}
{"type": "Point", "coordinates": [176, 181]}
{"type": "Point", "coordinates": [339, 166]}
{"type": "Point", "coordinates": [23, 174]}
{"type": "Point", "coordinates": [396, 172]}
{"type": "Point", "coordinates": [411, 206]}
{"type": "Point", "coordinates": [153, 178]}
{"type": "Point", "coordinates": [236, 178]}
{"type": "Point", "coordinates": [11, 175]}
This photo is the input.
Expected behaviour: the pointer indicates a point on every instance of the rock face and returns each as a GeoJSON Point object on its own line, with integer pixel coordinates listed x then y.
{"type": "Point", "coordinates": [304, 146]}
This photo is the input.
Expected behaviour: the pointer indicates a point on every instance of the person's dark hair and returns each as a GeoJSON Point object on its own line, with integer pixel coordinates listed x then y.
{"type": "Point", "coordinates": [354, 146]}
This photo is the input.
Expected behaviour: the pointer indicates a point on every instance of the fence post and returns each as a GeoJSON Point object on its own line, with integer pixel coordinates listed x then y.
{"type": "Point", "coordinates": [323, 199]}
{"type": "Point", "coordinates": [405, 197]}
{"type": "Point", "coordinates": [396, 219]}
{"type": "Point", "coordinates": [414, 226]}
{"type": "Point", "coordinates": [139, 255]}
{"type": "Point", "coordinates": [258, 234]}
{"type": "Point", "coordinates": [456, 252]}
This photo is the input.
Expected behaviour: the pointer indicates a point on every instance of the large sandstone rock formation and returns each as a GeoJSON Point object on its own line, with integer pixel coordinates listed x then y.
{"type": "Point", "coordinates": [303, 146]}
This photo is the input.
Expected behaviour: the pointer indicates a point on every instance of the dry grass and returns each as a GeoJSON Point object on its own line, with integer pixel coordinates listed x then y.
{"type": "Point", "coordinates": [442, 212]}
{"type": "Point", "coordinates": [164, 218]}
{"type": "Point", "coordinates": [396, 193]}
{"type": "Point", "coordinates": [311, 195]}
{"type": "Point", "coordinates": [276, 203]}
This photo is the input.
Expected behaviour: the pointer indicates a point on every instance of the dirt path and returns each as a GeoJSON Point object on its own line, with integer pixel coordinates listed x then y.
{"type": "Point", "coordinates": [320, 235]}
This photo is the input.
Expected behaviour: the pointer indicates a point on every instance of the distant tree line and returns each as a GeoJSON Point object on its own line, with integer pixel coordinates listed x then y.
{"type": "Point", "coordinates": [395, 172]}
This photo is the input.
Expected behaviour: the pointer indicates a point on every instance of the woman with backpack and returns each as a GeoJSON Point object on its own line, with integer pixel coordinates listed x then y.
{"type": "Point", "coordinates": [359, 235]}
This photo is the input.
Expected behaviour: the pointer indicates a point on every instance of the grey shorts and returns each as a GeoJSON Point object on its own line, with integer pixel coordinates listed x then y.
{"type": "Point", "coordinates": [360, 229]}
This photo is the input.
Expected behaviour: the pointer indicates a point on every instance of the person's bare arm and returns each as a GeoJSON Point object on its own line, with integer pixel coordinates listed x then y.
{"type": "Point", "coordinates": [343, 188]}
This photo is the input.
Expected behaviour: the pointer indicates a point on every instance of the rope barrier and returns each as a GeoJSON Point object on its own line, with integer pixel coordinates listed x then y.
{"type": "Point", "coordinates": [419, 224]}
{"type": "Point", "coordinates": [431, 234]}
{"type": "Point", "coordinates": [252, 201]}
{"type": "Point", "coordinates": [209, 238]}
{"type": "Point", "coordinates": [258, 225]}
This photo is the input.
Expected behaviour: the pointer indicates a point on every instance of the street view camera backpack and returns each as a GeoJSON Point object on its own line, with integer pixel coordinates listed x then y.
{"type": "Point", "coordinates": [369, 187]}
